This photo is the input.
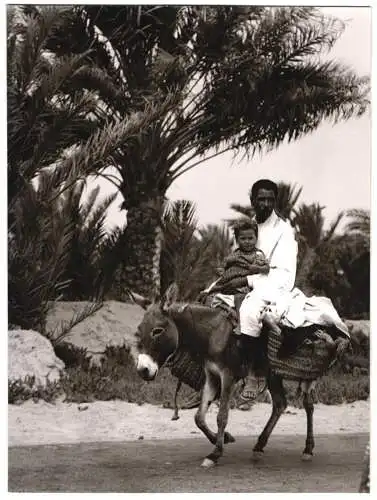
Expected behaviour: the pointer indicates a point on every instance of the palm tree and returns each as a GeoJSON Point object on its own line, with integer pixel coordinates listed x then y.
{"type": "Point", "coordinates": [191, 255]}
{"type": "Point", "coordinates": [354, 261]}
{"type": "Point", "coordinates": [217, 241]}
{"type": "Point", "coordinates": [264, 58]}
{"type": "Point", "coordinates": [242, 211]}
{"type": "Point", "coordinates": [287, 199]}
{"type": "Point", "coordinates": [43, 122]}
{"type": "Point", "coordinates": [309, 224]}
{"type": "Point", "coordinates": [84, 265]}
{"type": "Point", "coordinates": [57, 105]}
{"type": "Point", "coordinates": [180, 252]}
{"type": "Point", "coordinates": [359, 223]}
{"type": "Point", "coordinates": [57, 135]}
{"type": "Point", "coordinates": [38, 250]}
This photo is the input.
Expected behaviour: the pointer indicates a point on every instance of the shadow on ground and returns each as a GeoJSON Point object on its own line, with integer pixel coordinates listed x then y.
{"type": "Point", "coordinates": [174, 466]}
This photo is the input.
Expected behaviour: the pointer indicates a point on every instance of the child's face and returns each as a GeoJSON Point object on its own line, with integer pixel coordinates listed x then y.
{"type": "Point", "coordinates": [247, 240]}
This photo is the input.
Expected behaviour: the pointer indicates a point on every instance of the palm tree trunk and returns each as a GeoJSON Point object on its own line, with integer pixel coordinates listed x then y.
{"type": "Point", "coordinates": [156, 273]}
{"type": "Point", "coordinates": [143, 248]}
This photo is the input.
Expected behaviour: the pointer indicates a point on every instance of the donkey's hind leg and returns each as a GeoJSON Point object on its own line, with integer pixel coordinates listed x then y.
{"type": "Point", "coordinates": [279, 404]}
{"type": "Point", "coordinates": [308, 403]}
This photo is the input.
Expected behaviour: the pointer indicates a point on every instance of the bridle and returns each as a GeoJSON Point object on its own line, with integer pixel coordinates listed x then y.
{"type": "Point", "coordinates": [170, 360]}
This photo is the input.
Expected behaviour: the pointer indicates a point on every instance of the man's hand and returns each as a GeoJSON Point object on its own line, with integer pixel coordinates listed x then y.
{"type": "Point", "coordinates": [234, 284]}
{"type": "Point", "coordinates": [219, 271]}
{"type": "Point", "coordinates": [202, 297]}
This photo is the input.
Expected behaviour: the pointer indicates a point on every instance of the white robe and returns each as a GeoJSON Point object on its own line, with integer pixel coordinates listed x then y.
{"type": "Point", "coordinates": [277, 241]}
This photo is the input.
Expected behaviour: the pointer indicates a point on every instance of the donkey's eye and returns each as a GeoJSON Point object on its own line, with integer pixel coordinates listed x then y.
{"type": "Point", "coordinates": [157, 331]}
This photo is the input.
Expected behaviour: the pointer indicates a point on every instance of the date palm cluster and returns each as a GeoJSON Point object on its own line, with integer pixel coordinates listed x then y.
{"type": "Point", "coordinates": [139, 95]}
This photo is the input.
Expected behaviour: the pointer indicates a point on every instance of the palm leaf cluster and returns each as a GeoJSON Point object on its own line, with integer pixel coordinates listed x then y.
{"type": "Point", "coordinates": [191, 255]}
{"type": "Point", "coordinates": [359, 223]}
{"type": "Point", "coordinates": [283, 89]}
{"type": "Point", "coordinates": [72, 257]}
{"type": "Point", "coordinates": [266, 59]}
{"type": "Point", "coordinates": [50, 133]}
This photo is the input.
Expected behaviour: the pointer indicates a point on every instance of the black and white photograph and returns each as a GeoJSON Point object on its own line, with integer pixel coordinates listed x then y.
{"type": "Point", "coordinates": [189, 192]}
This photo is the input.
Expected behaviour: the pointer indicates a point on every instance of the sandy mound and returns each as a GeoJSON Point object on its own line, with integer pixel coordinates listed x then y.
{"type": "Point", "coordinates": [114, 324]}
{"type": "Point", "coordinates": [44, 423]}
{"type": "Point", "coordinates": [31, 354]}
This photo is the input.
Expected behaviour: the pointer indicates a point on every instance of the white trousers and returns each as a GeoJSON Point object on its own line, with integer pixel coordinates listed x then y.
{"type": "Point", "coordinates": [253, 306]}
{"type": "Point", "coordinates": [251, 314]}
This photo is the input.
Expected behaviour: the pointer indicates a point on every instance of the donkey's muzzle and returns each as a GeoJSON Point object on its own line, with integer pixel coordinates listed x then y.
{"type": "Point", "coordinates": [146, 367]}
{"type": "Point", "coordinates": [146, 374]}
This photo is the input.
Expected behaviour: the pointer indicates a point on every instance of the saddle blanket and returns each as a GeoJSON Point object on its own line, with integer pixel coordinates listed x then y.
{"type": "Point", "coordinates": [297, 310]}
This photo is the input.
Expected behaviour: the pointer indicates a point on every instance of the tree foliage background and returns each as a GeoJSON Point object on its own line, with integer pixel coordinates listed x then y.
{"type": "Point", "coordinates": [150, 92]}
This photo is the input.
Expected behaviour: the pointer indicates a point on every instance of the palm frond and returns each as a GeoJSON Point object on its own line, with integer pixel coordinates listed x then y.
{"type": "Point", "coordinates": [87, 207]}
{"type": "Point", "coordinates": [360, 221]}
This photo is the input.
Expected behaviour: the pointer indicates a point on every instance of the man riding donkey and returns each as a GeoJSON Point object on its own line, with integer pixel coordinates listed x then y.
{"type": "Point", "coordinates": [267, 281]}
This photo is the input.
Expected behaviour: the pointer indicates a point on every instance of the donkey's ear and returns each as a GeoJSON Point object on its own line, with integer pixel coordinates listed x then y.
{"type": "Point", "coordinates": [141, 301]}
{"type": "Point", "coordinates": [170, 296]}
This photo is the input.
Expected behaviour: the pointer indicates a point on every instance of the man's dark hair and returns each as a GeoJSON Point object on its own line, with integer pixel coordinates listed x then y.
{"type": "Point", "coordinates": [263, 184]}
{"type": "Point", "coordinates": [244, 225]}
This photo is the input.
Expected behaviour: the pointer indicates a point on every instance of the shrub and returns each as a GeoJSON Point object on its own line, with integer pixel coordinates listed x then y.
{"type": "Point", "coordinates": [72, 355]}
{"type": "Point", "coordinates": [116, 378]}
{"type": "Point", "coordinates": [22, 390]}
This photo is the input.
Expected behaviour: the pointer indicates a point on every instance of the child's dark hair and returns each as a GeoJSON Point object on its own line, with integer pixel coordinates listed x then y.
{"type": "Point", "coordinates": [244, 225]}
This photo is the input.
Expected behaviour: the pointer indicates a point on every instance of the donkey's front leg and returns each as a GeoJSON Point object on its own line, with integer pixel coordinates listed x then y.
{"type": "Point", "coordinates": [209, 391]}
{"type": "Point", "coordinates": [227, 383]}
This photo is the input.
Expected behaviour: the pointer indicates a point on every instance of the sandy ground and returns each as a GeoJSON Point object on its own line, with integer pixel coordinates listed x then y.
{"type": "Point", "coordinates": [44, 423]}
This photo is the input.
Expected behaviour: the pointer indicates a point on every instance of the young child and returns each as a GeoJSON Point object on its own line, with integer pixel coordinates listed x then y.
{"type": "Point", "coordinates": [244, 261]}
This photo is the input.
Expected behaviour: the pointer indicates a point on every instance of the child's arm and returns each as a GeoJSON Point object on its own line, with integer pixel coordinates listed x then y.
{"type": "Point", "coordinates": [261, 265]}
{"type": "Point", "coordinates": [259, 268]}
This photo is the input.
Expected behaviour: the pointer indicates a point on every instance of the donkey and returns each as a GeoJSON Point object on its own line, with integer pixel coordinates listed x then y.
{"type": "Point", "coordinates": [169, 326]}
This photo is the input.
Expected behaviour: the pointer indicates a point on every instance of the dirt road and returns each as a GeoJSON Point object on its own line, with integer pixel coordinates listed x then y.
{"type": "Point", "coordinates": [174, 466]}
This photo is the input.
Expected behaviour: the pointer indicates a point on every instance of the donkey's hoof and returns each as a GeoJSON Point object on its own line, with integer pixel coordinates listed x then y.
{"type": "Point", "coordinates": [306, 457]}
{"type": "Point", "coordinates": [228, 438]}
{"type": "Point", "coordinates": [175, 417]}
{"type": "Point", "coordinates": [257, 455]}
{"type": "Point", "coordinates": [208, 463]}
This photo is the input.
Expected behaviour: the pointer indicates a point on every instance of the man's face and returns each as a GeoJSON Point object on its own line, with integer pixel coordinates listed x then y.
{"type": "Point", "coordinates": [263, 203]}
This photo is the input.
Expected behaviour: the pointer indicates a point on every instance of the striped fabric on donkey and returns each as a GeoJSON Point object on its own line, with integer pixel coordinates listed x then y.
{"type": "Point", "coordinates": [206, 333]}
